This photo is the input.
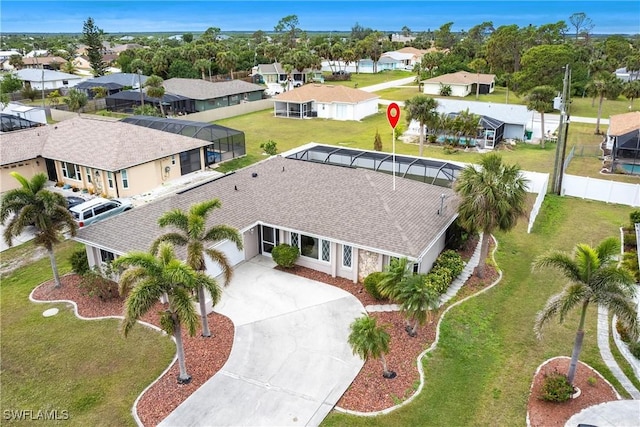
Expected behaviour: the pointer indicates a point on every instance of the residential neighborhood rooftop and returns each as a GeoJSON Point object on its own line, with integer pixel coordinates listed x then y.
{"type": "Point", "coordinates": [462, 77]}
{"type": "Point", "coordinates": [325, 93]}
{"type": "Point", "coordinates": [202, 89]}
{"type": "Point", "coordinates": [621, 124]}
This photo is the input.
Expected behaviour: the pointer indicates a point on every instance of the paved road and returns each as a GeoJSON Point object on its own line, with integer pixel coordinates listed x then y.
{"type": "Point", "coordinates": [290, 361]}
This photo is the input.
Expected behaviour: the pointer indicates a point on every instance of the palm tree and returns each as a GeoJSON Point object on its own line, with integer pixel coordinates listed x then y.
{"type": "Point", "coordinates": [603, 85]}
{"type": "Point", "coordinates": [593, 276]}
{"type": "Point", "coordinates": [227, 60]}
{"type": "Point", "coordinates": [631, 90]}
{"type": "Point", "coordinates": [493, 197]}
{"type": "Point", "coordinates": [396, 272]}
{"type": "Point", "coordinates": [418, 298]}
{"type": "Point", "coordinates": [202, 65]}
{"type": "Point", "coordinates": [193, 234]}
{"type": "Point", "coordinates": [367, 339]}
{"type": "Point", "coordinates": [155, 89]}
{"type": "Point", "coordinates": [147, 278]}
{"type": "Point", "coordinates": [540, 99]}
{"type": "Point", "coordinates": [33, 204]}
{"type": "Point", "coordinates": [422, 108]}
{"type": "Point", "coordinates": [75, 100]}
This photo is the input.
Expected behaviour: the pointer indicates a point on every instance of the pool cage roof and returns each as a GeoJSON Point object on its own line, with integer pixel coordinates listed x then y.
{"type": "Point", "coordinates": [426, 170]}
{"type": "Point", "coordinates": [9, 123]}
{"type": "Point", "coordinates": [200, 130]}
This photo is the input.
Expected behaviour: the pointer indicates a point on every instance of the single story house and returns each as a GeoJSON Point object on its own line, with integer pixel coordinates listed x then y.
{"type": "Point", "coordinates": [623, 139]}
{"type": "Point", "coordinates": [462, 83]}
{"type": "Point", "coordinates": [325, 101]}
{"type": "Point", "coordinates": [364, 66]}
{"type": "Point", "coordinates": [126, 100]}
{"type": "Point", "coordinates": [112, 157]}
{"type": "Point", "coordinates": [113, 83]}
{"type": "Point", "coordinates": [46, 62]}
{"type": "Point", "coordinates": [46, 79]}
{"type": "Point", "coordinates": [407, 56]}
{"type": "Point", "coordinates": [20, 150]}
{"type": "Point", "coordinates": [275, 73]}
{"type": "Point", "coordinates": [346, 222]}
{"type": "Point", "coordinates": [515, 118]}
{"type": "Point", "coordinates": [627, 75]}
{"type": "Point", "coordinates": [210, 95]}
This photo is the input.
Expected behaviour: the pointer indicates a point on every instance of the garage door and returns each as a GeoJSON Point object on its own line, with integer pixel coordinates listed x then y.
{"type": "Point", "coordinates": [233, 255]}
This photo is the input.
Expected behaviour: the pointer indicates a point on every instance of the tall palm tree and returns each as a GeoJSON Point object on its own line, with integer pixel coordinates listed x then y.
{"type": "Point", "coordinates": [631, 90]}
{"type": "Point", "coordinates": [202, 65]}
{"type": "Point", "coordinates": [33, 204]}
{"type": "Point", "coordinates": [603, 85]}
{"type": "Point", "coordinates": [540, 99]}
{"type": "Point", "coordinates": [155, 89]}
{"type": "Point", "coordinates": [147, 278]}
{"type": "Point", "coordinates": [418, 298]}
{"type": "Point", "coordinates": [227, 60]}
{"type": "Point", "coordinates": [493, 197]}
{"type": "Point", "coordinates": [367, 339]}
{"type": "Point", "coordinates": [194, 235]}
{"type": "Point", "coordinates": [422, 108]}
{"type": "Point", "coordinates": [593, 276]}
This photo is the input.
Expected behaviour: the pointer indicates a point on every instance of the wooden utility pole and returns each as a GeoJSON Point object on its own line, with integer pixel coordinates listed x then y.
{"type": "Point", "coordinates": [563, 131]}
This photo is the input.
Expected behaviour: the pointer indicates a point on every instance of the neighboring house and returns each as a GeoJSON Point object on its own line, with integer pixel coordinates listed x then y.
{"type": "Point", "coordinates": [114, 83]}
{"type": "Point", "coordinates": [37, 52]}
{"type": "Point", "coordinates": [127, 100]}
{"type": "Point", "coordinates": [27, 112]}
{"type": "Point", "coordinates": [116, 158]}
{"type": "Point", "coordinates": [462, 83]}
{"type": "Point", "coordinates": [275, 73]}
{"type": "Point", "coordinates": [346, 222]}
{"type": "Point", "coordinates": [20, 154]}
{"type": "Point", "coordinates": [407, 56]}
{"type": "Point", "coordinates": [364, 66]}
{"type": "Point", "coordinates": [325, 101]}
{"type": "Point", "coordinates": [401, 38]}
{"type": "Point", "coordinates": [623, 139]}
{"type": "Point", "coordinates": [47, 79]}
{"type": "Point", "coordinates": [627, 76]}
{"type": "Point", "coordinates": [514, 118]}
{"type": "Point", "coordinates": [210, 95]}
{"type": "Point", "coordinates": [46, 62]}
{"type": "Point", "coordinates": [83, 65]}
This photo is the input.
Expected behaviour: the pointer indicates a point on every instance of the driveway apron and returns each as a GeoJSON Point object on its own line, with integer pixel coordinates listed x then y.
{"type": "Point", "coordinates": [290, 361]}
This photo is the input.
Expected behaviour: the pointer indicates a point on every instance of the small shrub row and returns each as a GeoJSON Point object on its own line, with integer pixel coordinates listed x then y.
{"type": "Point", "coordinates": [95, 282]}
{"type": "Point", "coordinates": [371, 284]}
{"type": "Point", "coordinates": [556, 388]}
{"type": "Point", "coordinates": [634, 348]}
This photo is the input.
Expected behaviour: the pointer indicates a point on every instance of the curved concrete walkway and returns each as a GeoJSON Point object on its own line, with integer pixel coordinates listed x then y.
{"type": "Point", "coordinates": [290, 361]}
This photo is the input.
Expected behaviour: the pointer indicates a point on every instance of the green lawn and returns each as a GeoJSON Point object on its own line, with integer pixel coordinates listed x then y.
{"type": "Point", "coordinates": [481, 371]}
{"type": "Point", "coordinates": [369, 79]}
{"type": "Point", "coordinates": [66, 364]}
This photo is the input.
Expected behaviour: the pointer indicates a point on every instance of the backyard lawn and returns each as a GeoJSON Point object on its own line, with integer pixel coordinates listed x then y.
{"type": "Point", "coordinates": [62, 363]}
{"type": "Point", "coordinates": [369, 79]}
{"type": "Point", "coordinates": [481, 371]}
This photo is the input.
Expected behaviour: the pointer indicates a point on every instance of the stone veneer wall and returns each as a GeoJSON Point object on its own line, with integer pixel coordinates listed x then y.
{"type": "Point", "coordinates": [367, 263]}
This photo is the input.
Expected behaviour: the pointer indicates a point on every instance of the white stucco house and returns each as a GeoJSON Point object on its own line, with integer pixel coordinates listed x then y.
{"type": "Point", "coordinates": [325, 101]}
{"type": "Point", "coordinates": [28, 112]}
{"type": "Point", "coordinates": [47, 79]}
{"type": "Point", "coordinates": [346, 222]}
{"type": "Point", "coordinates": [462, 83]}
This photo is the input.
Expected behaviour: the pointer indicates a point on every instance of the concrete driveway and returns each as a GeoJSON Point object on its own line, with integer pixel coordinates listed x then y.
{"type": "Point", "coordinates": [290, 361]}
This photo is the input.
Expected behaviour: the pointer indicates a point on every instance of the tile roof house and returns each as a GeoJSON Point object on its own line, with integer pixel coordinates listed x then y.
{"type": "Point", "coordinates": [462, 83]}
{"type": "Point", "coordinates": [37, 78]}
{"type": "Point", "coordinates": [325, 101]}
{"type": "Point", "coordinates": [623, 138]}
{"type": "Point", "coordinates": [109, 156]}
{"type": "Point", "coordinates": [46, 62]}
{"type": "Point", "coordinates": [346, 222]}
{"type": "Point", "coordinates": [209, 95]}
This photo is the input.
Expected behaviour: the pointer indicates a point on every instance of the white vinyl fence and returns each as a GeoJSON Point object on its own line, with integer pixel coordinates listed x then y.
{"type": "Point", "coordinates": [601, 190]}
{"type": "Point", "coordinates": [537, 183]}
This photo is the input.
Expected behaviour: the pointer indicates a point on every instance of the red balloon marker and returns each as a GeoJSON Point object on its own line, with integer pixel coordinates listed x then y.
{"type": "Point", "coordinates": [393, 114]}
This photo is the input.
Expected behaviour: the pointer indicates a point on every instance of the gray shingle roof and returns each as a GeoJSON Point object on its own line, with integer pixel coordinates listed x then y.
{"type": "Point", "coordinates": [202, 89]}
{"type": "Point", "coordinates": [22, 145]}
{"type": "Point", "coordinates": [122, 79]}
{"type": "Point", "coordinates": [355, 206]}
{"type": "Point", "coordinates": [35, 75]}
{"type": "Point", "coordinates": [106, 144]}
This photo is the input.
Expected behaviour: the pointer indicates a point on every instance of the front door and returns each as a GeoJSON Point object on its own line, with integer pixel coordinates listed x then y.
{"type": "Point", "coordinates": [52, 174]}
{"type": "Point", "coordinates": [270, 238]}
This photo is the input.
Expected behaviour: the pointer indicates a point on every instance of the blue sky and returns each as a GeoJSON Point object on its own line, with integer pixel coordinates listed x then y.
{"type": "Point", "coordinates": [621, 16]}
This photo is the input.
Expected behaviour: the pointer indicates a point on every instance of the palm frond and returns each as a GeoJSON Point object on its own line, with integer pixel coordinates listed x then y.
{"type": "Point", "coordinates": [181, 303]}
{"type": "Point", "coordinates": [221, 259]}
{"type": "Point", "coordinates": [608, 249]}
{"type": "Point", "coordinates": [203, 209]}
{"type": "Point", "coordinates": [559, 260]}
{"type": "Point", "coordinates": [211, 285]}
{"type": "Point", "coordinates": [176, 218]}
{"type": "Point", "coordinates": [222, 232]}
{"type": "Point", "coordinates": [175, 239]}
{"type": "Point", "coordinates": [559, 304]}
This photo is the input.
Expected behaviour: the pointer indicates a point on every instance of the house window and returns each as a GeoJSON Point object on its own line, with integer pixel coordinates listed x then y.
{"type": "Point", "coordinates": [125, 178]}
{"type": "Point", "coordinates": [106, 257]}
{"type": "Point", "coordinates": [295, 240]}
{"type": "Point", "coordinates": [87, 172]}
{"type": "Point", "coordinates": [326, 250]}
{"type": "Point", "coordinates": [110, 179]}
{"type": "Point", "coordinates": [71, 171]}
{"type": "Point", "coordinates": [309, 246]}
{"type": "Point", "coordinates": [65, 82]}
{"type": "Point", "coordinates": [347, 254]}
{"type": "Point", "coordinates": [173, 159]}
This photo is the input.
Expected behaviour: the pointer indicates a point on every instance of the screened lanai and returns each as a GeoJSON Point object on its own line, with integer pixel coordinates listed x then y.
{"type": "Point", "coordinates": [226, 143]}
{"type": "Point", "coordinates": [425, 170]}
{"type": "Point", "coordinates": [10, 123]}
{"type": "Point", "coordinates": [127, 100]}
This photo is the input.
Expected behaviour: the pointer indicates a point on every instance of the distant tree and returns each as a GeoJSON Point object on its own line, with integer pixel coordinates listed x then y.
{"type": "Point", "coordinates": [581, 23]}
{"type": "Point", "coordinates": [358, 32]}
{"type": "Point", "coordinates": [288, 31]}
{"type": "Point", "coordinates": [10, 83]}
{"type": "Point", "coordinates": [92, 36]}
{"type": "Point", "coordinates": [100, 92]}
{"type": "Point", "coordinates": [444, 38]}
{"type": "Point", "coordinates": [227, 60]}
{"type": "Point", "coordinates": [603, 85]}
{"type": "Point", "coordinates": [187, 37]}
{"type": "Point", "coordinates": [372, 48]}
{"type": "Point", "coordinates": [210, 35]}
{"type": "Point", "coordinates": [632, 63]}
{"type": "Point", "coordinates": [406, 31]}
{"type": "Point", "coordinates": [202, 65]}
{"type": "Point", "coordinates": [377, 142]}
{"type": "Point", "coordinates": [16, 62]}
{"type": "Point", "coordinates": [543, 66]}
{"type": "Point", "coordinates": [4, 100]}
{"type": "Point", "coordinates": [540, 99]}
{"type": "Point", "coordinates": [54, 98]}
{"type": "Point", "coordinates": [69, 68]}
{"type": "Point", "coordinates": [631, 90]}
{"type": "Point", "coordinates": [29, 93]}
{"type": "Point", "coordinates": [146, 110]}
{"type": "Point", "coordinates": [155, 90]}
{"type": "Point", "coordinates": [422, 109]}
{"type": "Point", "coordinates": [75, 100]}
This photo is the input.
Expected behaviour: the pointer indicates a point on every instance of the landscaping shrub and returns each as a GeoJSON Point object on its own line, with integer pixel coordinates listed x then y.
{"type": "Point", "coordinates": [269, 147]}
{"type": "Point", "coordinates": [634, 217]}
{"type": "Point", "coordinates": [622, 331]}
{"type": "Point", "coordinates": [630, 239]}
{"type": "Point", "coordinates": [634, 348]}
{"type": "Point", "coordinates": [457, 236]}
{"type": "Point", "coordinates": [371, 284]}
{"type": "Point", "coordinates": [285, 255]}
{"type": "Point", "coordinates": [97, 283]}
{"type": "Point", "coordinates": [452, 261]}
{"type": "Point", "coordinates": [79, 262]}
{"type": "Point", "coordinates": [440, 279]}
{"type": "Point", "coordinates": [556, 388]}
{"type": "Point", "coordinates": [630, 262]}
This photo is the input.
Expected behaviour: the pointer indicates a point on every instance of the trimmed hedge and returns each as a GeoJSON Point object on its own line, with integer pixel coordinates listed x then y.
{"type": "Point", "coordinates": [371, 284]}
{"type": "Point", "coordinates": [556, 388]}
{"type": "Point", "coordinates": [285, 255]}
{"type": "Point", "coordinates": [79, 262]}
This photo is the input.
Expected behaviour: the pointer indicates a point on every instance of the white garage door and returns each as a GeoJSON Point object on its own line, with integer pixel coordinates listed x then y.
{"type": "Point", "coordinates": [233, 255]}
